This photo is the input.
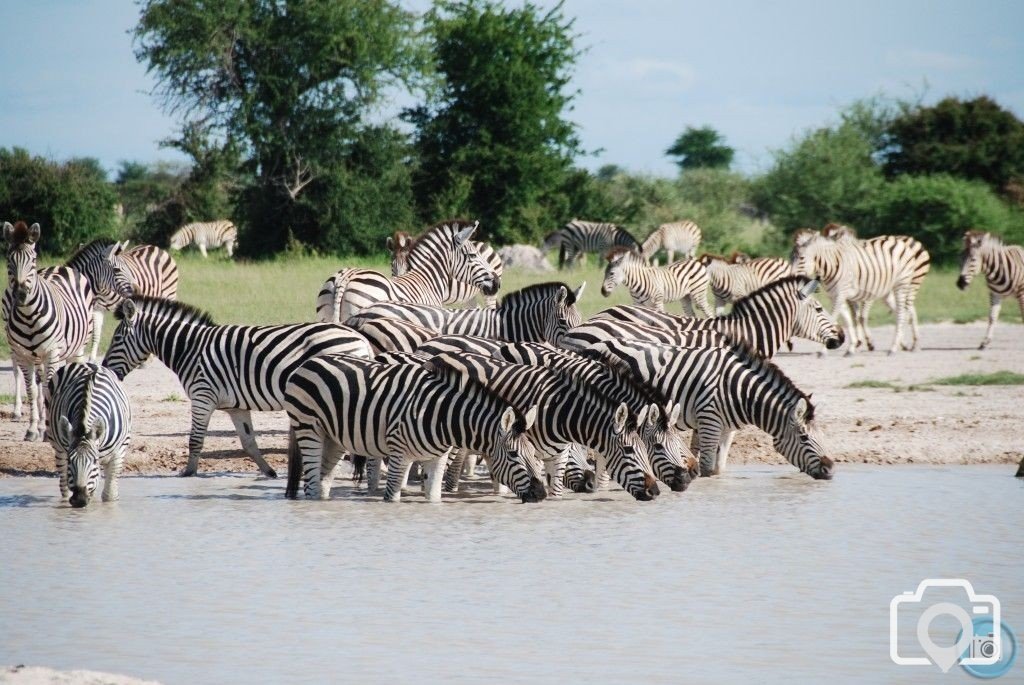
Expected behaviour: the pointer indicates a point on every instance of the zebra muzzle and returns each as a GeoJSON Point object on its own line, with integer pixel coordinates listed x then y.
{"type": "Point", "coordinates": [680, 480]}
{"type": "Point", "coordinates": [962, 283]}
{"type": "Point", "coordinates": [836, 342]}
{"type": "Point", "coordinates": [79, 497]}
{"type": "Point", "coordinates": [491, 287]}
{"type": "Point", "coordinates": [536, 492]}
{"type": "Point", "coordinates": [21, 294]}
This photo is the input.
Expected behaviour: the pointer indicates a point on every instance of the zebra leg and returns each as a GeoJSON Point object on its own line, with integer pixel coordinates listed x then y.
{"type": "Point", "coordinates": [398, 473]}
{"type": "Point", "coordinates": [311, 449]}
{"type": "Point", "coordinates": [671, 256]}
{"type": "Point", "coordinates": [201, 413]}
{"type": "Point", "coordinates": [373, 474]}
{"type": "Point", "coordinates": [701, 300]}
{"type": "Point", "coordinates": [112, 472]}
{"type": "Point", "coordinates": [687, 307]}
{"type": "Point", "coordinates": [724, 443]}
{"type": "Point", "coordinates": [330, 456]}
{"type": "Point", "coordinates": [708, 435]}
{"type": "Point", "coordinates": [841, 306]}
{"type": "Point", "coordinates": [862, 313]}
{"type": "Point", "coordinates": [454, 471]}
{"type": "Point", "coordinates": [31, 396]}
{"type": "Point", "coordinates": [995, 304]}
{"type": "Point", "coordinates": [901, 321]}
{"type": "Point", "coordinates": [469, 470]}
{"type": "Point", "coordinates": [554, 469]}
{"type": "Point", "coordinates": [202, 249]}
{"type": "Point", "coordinates": [19, 383]}
{"type": "Point", "coordinates": [62, 471]}
{"type": "Point", "coordinates": [229, 247]}
{"type": "Point", "coordinates": [97, 331]}
{"type": "Point", "coordinates": [435, 476]}
{"type": "Point", "coordinates": [242, 418]}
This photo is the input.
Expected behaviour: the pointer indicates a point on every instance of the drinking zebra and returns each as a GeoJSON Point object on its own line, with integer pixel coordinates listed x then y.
{"type": "Point", "coordinates": [89, 426]}
{"type": "Point", "coordinates": [653, 286]}
{"type": "Point", "coordinates": [404, 412]}
{"type": "Point", "coordinates": [731, 280]}
{"type": "Point", "coordinates": [859, 272]}
{"type": "Point", "coordinates": [237, 369]}
{"type": "Point", "coordinates": [538, 313]}
{"type": "Point", "coordinates": [48, 318]}
{"type": "Point", "coordinates": [723, 388]}
{"type": "Point", "coordinates": [441, 255]}
{"type": "Point", "coordinates": [1003, 266]}
{"type": "Point", "coordinates": [764, 320]}
{"type": "Point", "coordinates": [679, 236]}
{"type": "Point", "coordinates": [577, 238]}
{"type": "Point", "coordinates": [116, 272]}
{"type": "Point", "coordinates": [400, 248]}
{"type": "Point", "coordinates": [206, 234]}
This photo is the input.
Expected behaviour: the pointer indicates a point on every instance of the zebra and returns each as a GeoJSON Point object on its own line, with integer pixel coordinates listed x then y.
{"type": "Point", "coordinates": [653, 286]}
{"type": "Point", "coordinates": [577, 238]}
{"type": "Point", "coordinates": [47, 316]}
{"type": "Point", "coordinates": [679, 236]}
{"type": "Point", "coordinates": [400, 247]}
{"type": "Point", "coordinates": [1003, 266]}
{"type": "Point", "coordinates": [206, 234]}
{"type": "Point", "coordinates": [723, 388]}
{"type": "Point", "coordinates": [405, 412]}
{"type": "Point", "coordinates": [441, 255]}
{"type": "Point", "coordinates": [740, 276]}
{"type": "Point", "coordinates": [543, 312]}
{"type": "Point", "coordinates": [390, 335]}
{"type": "Point", "coordinates": [763, 319]}
{"type": "Point", "coordinates": [861, 271]}
{"type": "Point", "coordinates": [89, 427]}
{"type": "Point", "coordinates": [238, 369]}
{"type": "Point", "coordinates": [116, 272]}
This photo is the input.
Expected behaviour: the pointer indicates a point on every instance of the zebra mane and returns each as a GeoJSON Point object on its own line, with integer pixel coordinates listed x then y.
{"type": "Point", "coordinates": [756, 362]}
{"type": "Point", "coordinates": [96, 244]}
{"type": "Point", "coordinates": [624, 375]}
{"type": "Point", "coordinates": [620, 250]}
{"type": "Point", "coordinates": [706, 257]}
{"type": "Point", "coordinates": [984, 235]}
{"type": "Point", "coordinates": [439, 366]}
{"type": "Point", "coordinates": [513, 298]}
{"type": "Point", "coordinates": [172, 309]}
{"type": "Point", "coordinates": [801, 232]}
{"type": "Point", "coordinates": [750, 301]}
{"type": "Point", "coordinates": [20, 234]}
{"type": "Point", "coordinates": [439, 230]}
{"type": "Point", "coordinates": [90, 386]}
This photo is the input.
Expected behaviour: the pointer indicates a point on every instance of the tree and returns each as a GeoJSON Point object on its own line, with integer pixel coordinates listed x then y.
{"type": "Point", "coordinates": [288, 86]}
{"type": "Point", "coordinates": [974, 139]}
{"type": "Point", "coordinates": [699, 148]}
{"type": "Point", "coordinates": [492, 140]}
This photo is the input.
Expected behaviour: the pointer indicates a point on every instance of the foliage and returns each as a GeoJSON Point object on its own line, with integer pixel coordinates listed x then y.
{"type": "Point", "coordinates": [71, 201]}
{"type": "Point", "coordinates": [995, 378]}
{"type": "Point", "coordinates": [491, 140]}
{"type": "Point", "coordinates": [974, 139]}
{"type": "Point", "coordinates": [700, 148]}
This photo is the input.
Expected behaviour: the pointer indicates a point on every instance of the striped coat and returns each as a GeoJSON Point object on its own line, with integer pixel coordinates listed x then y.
{"type": "Point", "coordinates": [400, 247]}
{"type": "Point", "coordinates": [736, 278]}
{"type": "Point", "coordinates": [1003, 266]}
{"type": "Point", "coordinates": [679, 236]}
{"type": "Point", "coordinates": [205, 235]}
{"type": "Point", "coordinates": [654, 286]}
{"type": "Point", "coordinates": [577, 238]}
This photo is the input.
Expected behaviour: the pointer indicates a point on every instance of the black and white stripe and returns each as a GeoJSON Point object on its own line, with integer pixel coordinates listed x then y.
{"type": "Point", "coordinates": [390, 335]}
{"type": "Point", "coordinates": [237, 369]}
{"type": "Point", "coordinates": [89, 427]}
{"type": "Point", "coordinates": [208, 234]}
{"type": "Point", "coordinates": [654, 286]}
{"type": "Point", "coordinates": [679, 236]}
{"type": "Point", "coordinates": [403, 412]}
{"type": "Point", "coordinates": [577, 238]}
{"type": "Point", "coordinates": [1003, 266]}
{"type": "Point", "coordinates": [736, 278]}
{"type": "Point", "coordinates": [400, 247]}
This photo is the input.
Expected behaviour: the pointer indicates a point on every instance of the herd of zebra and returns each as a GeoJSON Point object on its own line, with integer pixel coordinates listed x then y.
{"type": "Point", "coordinates": [389, 376]}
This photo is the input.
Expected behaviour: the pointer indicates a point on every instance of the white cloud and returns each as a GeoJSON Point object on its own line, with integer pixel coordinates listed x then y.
{"type": "Point", "coordinates": [929, 59]}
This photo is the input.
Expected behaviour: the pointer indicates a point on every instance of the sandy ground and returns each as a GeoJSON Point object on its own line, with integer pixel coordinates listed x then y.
{"type": "Point", "coordinates": [35, 675]}
{"type": "Point", "coordinates": [923, 424]}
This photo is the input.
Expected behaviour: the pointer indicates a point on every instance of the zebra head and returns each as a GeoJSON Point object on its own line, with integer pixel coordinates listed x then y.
{"type": "Point", "coordinates": [514, 457]}
{"type": "Point", "coordinates": [128, 348]}
{"type": "Point", "coordinates": [399, 246]}
{"type": "Point", "coordinates": [82, 444]}
{"type": "Point", "coordinates": [626, 455]}
{"type": "Point", "coordinates": [667, 448]}
{"type": "Point", "coordinates": [21, 258]}
{"type": "Point", "coordinates": [813, 322]}
{"type": "Point", "coordinates": [180, 238]}
{"type": "Point", "coordinates": [798, 440]}
{"type": "Point", "coordinates": [619, 259]}
{"type": "Point", "coordinates": [561, 314]}
{"type": "Point", "coordinates": [970, 258]}
{"type": "Point", "coordinates": [120, 278]}
{"type": "Point", "coordinates": [801, 259]}
{"type": "Point", "coordinates": [469, 267]}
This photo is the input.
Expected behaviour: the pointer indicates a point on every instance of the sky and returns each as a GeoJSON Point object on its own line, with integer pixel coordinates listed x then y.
{"type": "Point", "coordinates": [758, 72]}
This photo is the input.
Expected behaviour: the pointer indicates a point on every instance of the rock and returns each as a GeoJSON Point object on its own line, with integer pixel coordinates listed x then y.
{"type": "Point", "coordinates": [525, 257]}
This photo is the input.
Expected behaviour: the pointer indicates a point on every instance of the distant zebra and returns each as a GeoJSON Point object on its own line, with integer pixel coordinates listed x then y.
{"type": "Point", "coordinates": [206, 234]}
{"type": "Point", "coordinates": [859, 272]}
{"type": "Point", "coordinates": [764, 319]}
{"type": "Point", "coordinates": [538, 313]}
{"type": "Point", "coordinates": [238, 369]}
{"type": "Point", "coordinates": [1003, 266]}
{"type": "Point", "coordinates": [400, 248]}
{"type": "Point", "coordinates": [731, 280]}
{"type": "Point", "coordinates": [441, 255]}
{"type": "Point", "coordinates": [722, 389]}
{"type": "Point", "coordinates": [654, 286]}
{"type": "Point", "coordinates": [115, 272]}
{"type": "Point", "coordinates": [89, 427]}
{"type": "Point", "coordinates": [406, 412]}
{"type": "Point", "coordinates": [47, 316]}
{"type": "Point", "coordinates": [577, 238]}
{"type": "Point", "coordinates": [679, 236]}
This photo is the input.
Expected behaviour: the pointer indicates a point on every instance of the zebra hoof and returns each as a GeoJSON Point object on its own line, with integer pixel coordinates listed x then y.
{"type": "Point", "coordinates": [187, 472]}
{"type": "Point", "coordinates": [982, 346]}
{"type": "Point", "coordinates": [31, 436]}
{"type": "Point", "coordinates": [16, 416]}
{"type": "Point", "coordinates": [270, 473]}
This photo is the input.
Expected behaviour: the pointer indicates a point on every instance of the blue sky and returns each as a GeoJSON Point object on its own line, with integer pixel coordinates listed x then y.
{"type": "Point", "coordinates": [757, 71]}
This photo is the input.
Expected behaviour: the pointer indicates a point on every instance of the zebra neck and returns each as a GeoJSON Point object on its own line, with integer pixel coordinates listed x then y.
{"type": "Point", "coordinates": [763, 403]}
{"type": "Point", "coordinates": [995, 262]}
{"type": "Point", "coordinates": [36, 302]}
{"type": "Point", "coordinates": [765, 333]}
{"type": "Point", "coordinates": [520, 324]}
{"type": "Point", "coordinates": [482, 323]}
{"type": "Point", "coordinates": [466, 418]}
{"type": "Point", "coordinates": [178, 345]}
{"type": "Point", "coordinates": [415, 284]}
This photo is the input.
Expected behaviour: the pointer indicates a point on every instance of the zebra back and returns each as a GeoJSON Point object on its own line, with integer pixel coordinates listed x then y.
{"type": "Point", "coordinates": [206, 233]}
{"type": "Point", "coordinates": [681, 237]}
{"type": "Point", "coordinates": [82, 395]}
{"type": "Point", "coordinates": [390, 335]}
{"type": "Point", "coordinates": [579, 237]}
{"type": "Point", "coordinates": [151, 271]}
{"type": "Point", "coordinates": [732, 279]}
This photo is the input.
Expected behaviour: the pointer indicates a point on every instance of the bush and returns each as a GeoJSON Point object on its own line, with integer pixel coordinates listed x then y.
{"type": "Point", "coordinates": [937, 209]}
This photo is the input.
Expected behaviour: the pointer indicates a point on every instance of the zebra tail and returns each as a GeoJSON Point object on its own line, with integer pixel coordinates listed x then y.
{"type": "Point", "coordinates": [291, 490]}
{"type": "Point", "coordinates": [341, 280]}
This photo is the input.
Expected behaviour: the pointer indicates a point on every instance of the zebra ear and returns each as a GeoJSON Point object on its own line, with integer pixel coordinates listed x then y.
{"type": "Point", "coordinates": [463, 235]}
{"type": "Point", "coordinates": [127, 310]}
{"type": "Point", "coordinates": [809, 289]}
{"type": "Point", "coordinates": [96, 430]}
{"type": "Point", "coordinates": [64, 430]}
{"type": "Point", "coordinates": [8, 230]}
{"type": "Point", "coordinates": [673, 414]}
{"type": "Point", "coordinates": [799, 412]}
{"type": "Point", "coordinates": [530, 417]}
{"type": "Point", "coordinates": [508, 419]}
{"type": "Point", "coordinates": [579, 291]}
{"type": "Point", "coordinates": [389, 242]}
{"type": "Point", "coordinates": [621, 416]}
{"type": "Point", "coordinates": [114, 250]}
{"type": "Point", "coordinates": [33, 233]}
{"type": "Point", "coordinates": [648, 414]}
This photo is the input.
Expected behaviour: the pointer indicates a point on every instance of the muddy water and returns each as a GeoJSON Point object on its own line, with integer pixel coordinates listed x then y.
{"type": "Point", "coordinates": [761, 575]}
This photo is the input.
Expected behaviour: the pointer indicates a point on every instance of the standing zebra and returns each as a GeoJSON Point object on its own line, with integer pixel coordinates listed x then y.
{"type": "Point", "coordinates": [47, 318]}
{"type": "Point", "coordinates": [238, 369]}
{"type": "Point", "coordinates": [390, 335]}
{"type": "Point", "coordinates": [653, 286]}
{"type": "Point", "coordinates": [859, 272]}
{"type": "Point", "coordinates": [115, 272]}
{"type": "Point", "coordinates": [764, 319]}
{"type": "Point", "coordinates": [441, 255]}
{"type": "Point", "coordinates": [400, 248]}
{"type": "Point", "coordinates": [723, 388]}
{"type": "Point", "coordinates": [577, 238]}
{"type": "Point", "coordinates": [1003, 266]}
{"type": "Point", "coordinates": [731, 280]}
{"type": "Point", "coordinates": [404, 412]}
{"type": "Point", "coordinates": [89, 427]}
{"type": "Point", "coordinates": [679, 236]}
{"type": "Point", "coordinates": [206, 234]}
{"type": "Point", "coordinates": [538, 313]}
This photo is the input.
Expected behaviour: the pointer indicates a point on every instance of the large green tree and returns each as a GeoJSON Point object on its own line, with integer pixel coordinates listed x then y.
{"type": "Point", "coordinates": [492, 140]}
{"type": "Point", "coordinates": [701, 148]}
{"type": "Point", "coordinates": [289, 85]}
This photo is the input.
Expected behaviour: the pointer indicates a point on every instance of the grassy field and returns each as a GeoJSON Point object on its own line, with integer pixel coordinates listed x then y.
{"type": "Point", "coordinates": [284, 290]}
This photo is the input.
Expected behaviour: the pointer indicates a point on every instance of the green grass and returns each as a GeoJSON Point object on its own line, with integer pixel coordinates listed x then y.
{"type": "Point", "coordinates": [995, 378]}
{"type": "Point", "coordinates": [872, 384]}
